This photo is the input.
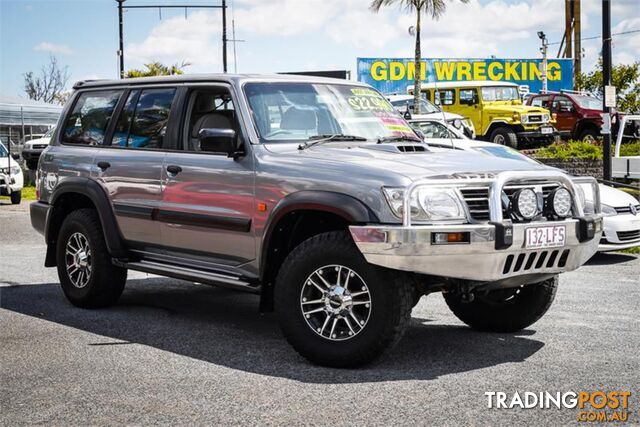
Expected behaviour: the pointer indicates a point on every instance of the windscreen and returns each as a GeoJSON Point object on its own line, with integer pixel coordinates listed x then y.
{"type": "Point", "coordinates": [500, 93]}
{"type": "Point", "coordinates": [3, 151]}
{"type": "Point", "coordinates": [285, 112]}
{"type": "Point", "coordinates": [504, 152]}
{"type": "Point", "coordinates": [426, 107]}
{"type": "Point", "coordinates": [588, 102]}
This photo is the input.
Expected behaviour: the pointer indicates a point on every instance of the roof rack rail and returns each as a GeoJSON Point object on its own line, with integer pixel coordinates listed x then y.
{"type": "Point", "coordinates": [81, 83]}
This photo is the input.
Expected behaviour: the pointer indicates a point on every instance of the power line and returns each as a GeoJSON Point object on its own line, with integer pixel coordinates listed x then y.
{"type": "Point", "coordinates": [600, 36]}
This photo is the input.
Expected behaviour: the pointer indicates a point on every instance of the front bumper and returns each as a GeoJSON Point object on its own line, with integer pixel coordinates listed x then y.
{"type": "Point", "coordinates": [411, 249]}
{"type": "Point", "coordinates": [619, 232]}
{"type": "Point", "coordinates": [10, 184]}
{"type": "Point", "coordinates": [537, 133]}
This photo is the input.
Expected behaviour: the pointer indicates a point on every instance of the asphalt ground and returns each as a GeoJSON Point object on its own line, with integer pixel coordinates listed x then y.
{"type": "Point", "coordinates": [173, 352]}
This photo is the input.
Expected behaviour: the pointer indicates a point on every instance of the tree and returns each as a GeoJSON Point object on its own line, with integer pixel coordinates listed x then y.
{"type": "Point", "coordinates": [49, 85]}
{"type": "Point", "coordinates": [626, 79]}
{"type": "Point", "coordinates": [432, 8]}
{"type": "Point", "coordinates": [157, 69]}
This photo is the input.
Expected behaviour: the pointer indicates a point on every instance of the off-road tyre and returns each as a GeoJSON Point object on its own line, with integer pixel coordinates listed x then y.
{"type": "Point", "coordinates": [106, 281]}
{"type": "Point", "coordinates": [504, 136]}
{"type": "Point", "coordinates": [589, 134]}
{"type": "Point", "coordinates": [16, 197]}
{"type": "Point", "coordinates": [390, 296]}
{"type": "Point", "coordinates": [488, 313]}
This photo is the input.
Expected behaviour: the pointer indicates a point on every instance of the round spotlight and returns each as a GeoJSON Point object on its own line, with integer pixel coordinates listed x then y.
{"type": "Point", "coordinates": [559, 202]}
{"type": "Point", "coordinates": [525, 203]}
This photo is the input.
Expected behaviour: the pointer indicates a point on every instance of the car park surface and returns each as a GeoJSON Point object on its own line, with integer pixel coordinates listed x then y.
{"type": "Point", "coordinates": [175, 352]}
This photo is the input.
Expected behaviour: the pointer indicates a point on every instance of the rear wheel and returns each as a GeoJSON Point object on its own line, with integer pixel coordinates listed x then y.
{"type": "Point", "coordinates": [589, 135]}
{"type": "Point", "coordinates": [87, 275]}
{"type": "Point", "coordinates": [504, 136]}
{"type": "Point", "coordinates": [16, 197]}
{"type": "Point", "coordinates": [505, 310]}
{"type": "Point", "coordinates": [336, 309]}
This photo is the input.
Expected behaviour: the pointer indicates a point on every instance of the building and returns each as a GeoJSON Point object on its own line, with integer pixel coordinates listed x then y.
{"type": "Point", "coordinates": [20, 117]}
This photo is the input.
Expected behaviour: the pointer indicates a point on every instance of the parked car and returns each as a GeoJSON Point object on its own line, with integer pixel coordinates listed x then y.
{"type": "Point", "coordinates": [313, 193]}
{"type": "Point", "coordinates": [405, 105]}
{"type": "Point", "coordinates": [496, 111]}
{"type": "Point", "coordinates": [621, 210]}
{"type": "Point", "coordinates": [32, 149]}
{"type": "Point", "coordinates": [11, 179]}
{"type": "Point", "coordinates": [577, 116]}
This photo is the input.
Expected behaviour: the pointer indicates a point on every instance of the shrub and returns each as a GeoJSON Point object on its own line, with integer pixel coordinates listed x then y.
{"type": "Point", "coordinates": [570, 150]}
{"type": "Point", "coordinates": [630, 149]}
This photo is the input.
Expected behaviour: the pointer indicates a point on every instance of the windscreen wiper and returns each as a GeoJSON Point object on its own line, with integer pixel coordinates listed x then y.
{"type": "Point", "coordinates": [318, 139]}
{"type": "Point", "coordinates": [384, 139]}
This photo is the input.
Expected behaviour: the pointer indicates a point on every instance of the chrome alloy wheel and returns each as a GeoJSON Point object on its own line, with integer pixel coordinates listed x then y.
{"type": "Point", "coordinates": [335, 302]}
{"type": "Point", "coordinates": [78, 260]}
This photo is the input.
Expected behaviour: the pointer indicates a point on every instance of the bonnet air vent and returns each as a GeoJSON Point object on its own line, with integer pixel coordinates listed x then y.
{"type": "Point", "coordinates": [411, 148]}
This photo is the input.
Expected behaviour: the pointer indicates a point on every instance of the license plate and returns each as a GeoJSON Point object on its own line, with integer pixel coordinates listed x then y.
{"type": "Point", "coordinates": [553, 236]}
{"type": "Point", "coordinates": [546, 130]}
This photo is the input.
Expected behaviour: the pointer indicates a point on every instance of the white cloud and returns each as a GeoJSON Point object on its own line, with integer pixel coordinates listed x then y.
{"type": "Point", "coordinates": [195, 40]}
{"type": "Point", "coordinates": [53, 48]}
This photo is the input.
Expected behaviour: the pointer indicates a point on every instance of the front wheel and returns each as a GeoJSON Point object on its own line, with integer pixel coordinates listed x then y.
{"type": "Point", "coordinates": [336, 309]}
{"type": "Point", "coordinates": [504, 136]}
{"type": "Point", "coordinates": [505, 310]}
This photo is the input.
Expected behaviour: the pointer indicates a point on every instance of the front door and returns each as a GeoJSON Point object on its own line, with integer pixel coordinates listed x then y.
{"type": "Point", "coordinates": [208, 198]}
{"type": "Point", "coordinates": [468, 106]}
{"type": "Point", "coordinates": [131, 166]}
{"type": "Point", "coordinates": [565, 113]}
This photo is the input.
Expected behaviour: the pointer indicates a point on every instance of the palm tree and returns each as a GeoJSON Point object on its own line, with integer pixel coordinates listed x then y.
{"type": "Point", "coordinates": [433, 8]}
{"type": "Point", "coordinates": [157, 69]}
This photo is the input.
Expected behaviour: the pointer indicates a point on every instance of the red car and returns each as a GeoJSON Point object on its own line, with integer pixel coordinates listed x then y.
{"type": "Point", "coordinates": [577, 116]}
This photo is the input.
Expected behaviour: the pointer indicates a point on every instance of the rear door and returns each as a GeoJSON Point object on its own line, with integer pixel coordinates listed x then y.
{"type": "Point", "coordinates": [208, 198]}
{"type": "Point", "coordinates": [131, 166]}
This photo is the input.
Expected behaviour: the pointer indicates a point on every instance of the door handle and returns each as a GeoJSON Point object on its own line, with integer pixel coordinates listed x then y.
{"type": "Point", "coordinates": [174, 169]}
{"type": "Point", "coordinates": [104, 165]}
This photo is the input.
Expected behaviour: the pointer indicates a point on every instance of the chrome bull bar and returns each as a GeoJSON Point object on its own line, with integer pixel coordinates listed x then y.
{"type": "Point", "coordinates": [497, 184]}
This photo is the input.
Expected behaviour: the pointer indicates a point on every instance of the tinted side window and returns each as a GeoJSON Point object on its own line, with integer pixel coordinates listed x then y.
{"type": "Point", "coordinates": [88, 121]}
{"type": "Point", "coordinates": [562, 103]}
{"type": "Point", "coordinates": [150, 116]}
{"type": "Point", "coordinates": [445, 97]}
{"type": "Point", "coordinates": [123, 126]}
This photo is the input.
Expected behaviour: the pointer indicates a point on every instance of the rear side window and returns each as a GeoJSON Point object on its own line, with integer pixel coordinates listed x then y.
{"type": "Point", "coordinates": [143, 121]}
{"type": "Point", "coordinates": [87, 123]}
{"type": "Point", "coordinates": [445, 97]}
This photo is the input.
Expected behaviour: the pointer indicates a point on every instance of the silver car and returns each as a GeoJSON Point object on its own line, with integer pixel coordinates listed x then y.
{"type": "Point", "coordinates": [313, 193]}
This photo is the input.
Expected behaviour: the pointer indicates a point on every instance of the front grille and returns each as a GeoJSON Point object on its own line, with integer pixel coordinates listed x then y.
{"type": "Point", "coordinates": [535, 119]}
{"type": "Point", "coordinates": [626, 209]}
{"type": "Point", "coordinates": [537, 260]}
{"type": "Point", "coordinates": [38, 146]}
{"type": "Point", "coordinates": [627, 236]}
{"type": "Point", "coordinates": [477, 199]}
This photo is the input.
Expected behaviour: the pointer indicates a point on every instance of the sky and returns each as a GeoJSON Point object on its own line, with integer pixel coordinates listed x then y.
{"type": "Point", "coordinates": [286, 35]}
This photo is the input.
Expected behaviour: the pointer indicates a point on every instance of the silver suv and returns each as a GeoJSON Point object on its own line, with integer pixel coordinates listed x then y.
{"type": "Point", "coordinates": [313, 193]}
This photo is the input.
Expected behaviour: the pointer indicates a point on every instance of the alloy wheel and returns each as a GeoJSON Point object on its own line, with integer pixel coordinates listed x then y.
{"type": "Point", "coordinates": [78, 260]}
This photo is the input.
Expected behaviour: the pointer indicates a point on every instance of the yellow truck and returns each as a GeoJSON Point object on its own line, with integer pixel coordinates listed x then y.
{"type": "Point", "coordinates": [496, 110]}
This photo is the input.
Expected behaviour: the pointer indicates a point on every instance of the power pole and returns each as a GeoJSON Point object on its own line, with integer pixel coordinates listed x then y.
{"type": "Point", "coordinates": [224, 36]}
{"type": "Point", "coordinates": [606, 81]}
{"type": "Point", "coordinates": [577, 36]}
{"type": "Point", "coordinates": [121, 38]}
{"type": "Point", "coordinates": [568, 28]}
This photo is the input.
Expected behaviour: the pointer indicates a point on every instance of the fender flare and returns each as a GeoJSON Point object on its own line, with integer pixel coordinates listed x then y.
{"type": "Point", "coordinates": [349, 208]}
{"type": "Point", "coordinates": [95, 193]}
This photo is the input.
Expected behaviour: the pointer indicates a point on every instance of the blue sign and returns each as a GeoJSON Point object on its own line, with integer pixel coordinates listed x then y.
{"type": "Point", "coordinates": [394, 75]}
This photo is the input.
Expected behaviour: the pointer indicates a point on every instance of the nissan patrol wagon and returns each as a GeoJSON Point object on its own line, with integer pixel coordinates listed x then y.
{"type": "Point", "coordinates": [313, 193]}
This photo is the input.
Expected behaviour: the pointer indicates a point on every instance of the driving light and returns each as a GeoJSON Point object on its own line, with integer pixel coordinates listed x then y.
{"type": "Point", "coordinates": [559, 202]}
{"type": "Point", "coordinates": [525, 203]}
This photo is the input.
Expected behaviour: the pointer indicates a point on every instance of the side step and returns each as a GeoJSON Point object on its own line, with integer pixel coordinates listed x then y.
{"type": "Point", "coordinates": [185, 273]}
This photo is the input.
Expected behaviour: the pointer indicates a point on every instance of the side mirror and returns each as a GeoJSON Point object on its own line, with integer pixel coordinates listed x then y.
{"type": "Point", "coordinates": [566, 109]}
{"type": "Point", "coordinates": [15, 156]}
{"type": "Point", "coordinates": [419, 133]}
{"type": "Point", "coordinates": [217, 140]}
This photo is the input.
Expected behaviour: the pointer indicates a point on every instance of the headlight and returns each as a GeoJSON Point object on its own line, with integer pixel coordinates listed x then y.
{"type": "Point", "coordinates": [15, 170]}
{"type": "Point", "coordinates": [525, 119]}
{"type": "Point", "coordinates": [525, 203]}
{"type": "Point", "coordinates": [428, 204]}
{"type": "Point", "coordinates": [545, 118]}
{"type": "Point", "coordinates": [457, 123]}
{"type": "Point", "coordinates": [559, 202]}
{"type": "Point", "coordinates": [608, 210]}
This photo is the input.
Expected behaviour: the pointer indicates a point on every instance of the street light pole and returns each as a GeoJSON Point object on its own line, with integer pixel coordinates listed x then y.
{"type": "Point", "coordinates": [224, 36]}
{"type": "Point", "coordinates": [543, 49]}
{"type": "Point", "coordinates": [606, 81]}
{"type": "Point", "coordinates": [121, 38]}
